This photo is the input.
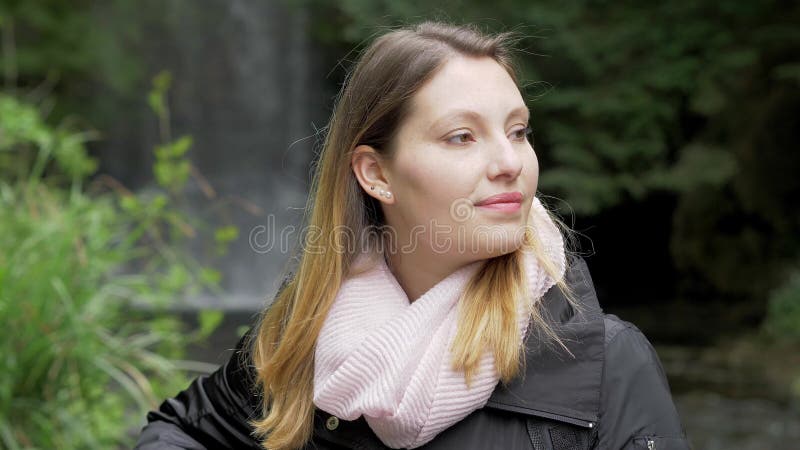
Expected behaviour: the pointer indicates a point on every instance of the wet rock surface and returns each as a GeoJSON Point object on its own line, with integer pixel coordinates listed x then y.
{"type": "Point", "coordinates": [715, 422]}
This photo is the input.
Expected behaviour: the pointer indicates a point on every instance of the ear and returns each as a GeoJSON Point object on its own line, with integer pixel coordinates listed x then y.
{"type": "Point", "coordinates": [372, 173]}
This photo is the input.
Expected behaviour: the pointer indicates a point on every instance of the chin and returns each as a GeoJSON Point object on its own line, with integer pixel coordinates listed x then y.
{"type": "Point", "coordinates": [501, 244]}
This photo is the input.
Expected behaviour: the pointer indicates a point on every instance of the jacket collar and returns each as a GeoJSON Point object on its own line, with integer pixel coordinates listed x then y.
{"type": "Point", "coordinates": [555, 384]}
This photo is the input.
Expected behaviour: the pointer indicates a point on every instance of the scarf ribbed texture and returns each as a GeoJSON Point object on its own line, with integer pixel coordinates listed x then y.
{"type": "Point", "coordinates": [388, 359]}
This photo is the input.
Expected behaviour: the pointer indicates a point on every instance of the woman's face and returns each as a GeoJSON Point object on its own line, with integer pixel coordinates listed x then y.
{"type": "Point", "coordinates": [463, 141]}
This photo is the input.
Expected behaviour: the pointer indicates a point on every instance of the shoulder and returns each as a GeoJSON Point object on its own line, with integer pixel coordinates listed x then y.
{"type": "Point", "coordinates": [625, 344]}
{"type": "Point", "coordinates": [636, 401]}
{"type": "Point", "coordinates": [619, 328]}
{"type": "Point", "coordinates": [630, 357]}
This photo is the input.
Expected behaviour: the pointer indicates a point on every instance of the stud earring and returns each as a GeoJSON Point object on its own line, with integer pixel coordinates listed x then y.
{"type": "Point", "coordinates": [382, 193]}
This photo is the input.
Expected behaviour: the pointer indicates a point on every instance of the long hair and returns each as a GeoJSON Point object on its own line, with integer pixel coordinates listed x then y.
{"type": "Point", "coordinates": [369, 108]}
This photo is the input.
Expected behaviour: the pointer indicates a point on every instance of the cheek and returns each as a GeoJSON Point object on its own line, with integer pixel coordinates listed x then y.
{"type": "Point", "coordinates": [429, 181]}
{"type": "Point", "coordinates": [532, 171]}
{"type": "Point", "coordinates": [430, 173]}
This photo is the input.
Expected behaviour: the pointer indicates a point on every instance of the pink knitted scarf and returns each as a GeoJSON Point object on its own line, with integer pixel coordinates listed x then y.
{"type": "Point", "coordinates": [380, 355]}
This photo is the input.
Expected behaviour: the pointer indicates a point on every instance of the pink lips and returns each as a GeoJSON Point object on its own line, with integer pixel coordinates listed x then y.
{"type": "Point", "coordinates": [507, 201]}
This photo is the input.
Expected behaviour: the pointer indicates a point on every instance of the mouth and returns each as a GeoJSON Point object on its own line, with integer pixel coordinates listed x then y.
{"type": "Point", "coordinates": [504, 207]}
{"type": "Point", "coordinates": [505, 202]}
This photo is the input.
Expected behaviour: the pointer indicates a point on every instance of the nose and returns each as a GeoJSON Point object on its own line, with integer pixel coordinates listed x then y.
{"type": "Point", "coordinates": [505, 161]}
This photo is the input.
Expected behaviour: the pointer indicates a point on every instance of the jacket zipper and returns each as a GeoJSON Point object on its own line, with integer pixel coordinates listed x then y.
{"type": "Point", "coordinates": [567, 419]}
{"type": "Point", "coordinates": [546, 414]}
{"type": "Point", "coordinates": [574, 421]}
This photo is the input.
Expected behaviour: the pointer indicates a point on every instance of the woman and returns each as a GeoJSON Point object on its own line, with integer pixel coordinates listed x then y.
{"type": "Point", "coordinates": [436, 305]}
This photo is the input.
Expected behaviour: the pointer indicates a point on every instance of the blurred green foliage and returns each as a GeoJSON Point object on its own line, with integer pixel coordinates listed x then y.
{"type": "Point", "coordinates": [784, 309]}
{"type": "Point", "coordinates": [783, 316]}
{"type": "Point", "coordinates": [81, 367]}
{"type": "Point", "coordinates": [65, 39]}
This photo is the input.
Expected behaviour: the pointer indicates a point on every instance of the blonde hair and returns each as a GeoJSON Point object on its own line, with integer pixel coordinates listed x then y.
{"type": "Point", "coordinates": [373, 101]}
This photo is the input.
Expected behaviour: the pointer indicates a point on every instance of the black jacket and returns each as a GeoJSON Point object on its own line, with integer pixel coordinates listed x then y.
{"type": "Point", "coordinates": [612, 394]}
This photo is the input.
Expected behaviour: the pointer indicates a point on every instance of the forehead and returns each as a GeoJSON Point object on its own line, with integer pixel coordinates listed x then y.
{"type": "Point", "coordinates": [467, 83]}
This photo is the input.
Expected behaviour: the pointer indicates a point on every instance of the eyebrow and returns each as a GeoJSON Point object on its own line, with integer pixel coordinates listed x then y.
{"type": "Point", "coordinates": [470, 114]}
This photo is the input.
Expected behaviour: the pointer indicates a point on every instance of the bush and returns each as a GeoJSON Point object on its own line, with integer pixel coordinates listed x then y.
{"type": "Point", "coordinates": [783, 313]}
{"type": "Point", "coordinates": [783, 317]}
{"type": "Point", "coordinates": [80, 366]}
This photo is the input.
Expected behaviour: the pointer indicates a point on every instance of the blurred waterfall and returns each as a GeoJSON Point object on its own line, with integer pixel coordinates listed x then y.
{"type": "Point", "coordinates": [249, 87]}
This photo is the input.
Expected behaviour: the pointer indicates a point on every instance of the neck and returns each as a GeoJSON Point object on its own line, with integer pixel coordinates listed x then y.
{"type": "Point", "coordinates": [419, 271]}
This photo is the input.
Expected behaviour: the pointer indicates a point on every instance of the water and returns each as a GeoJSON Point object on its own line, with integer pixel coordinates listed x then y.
{"type": "Point", "coordinates": [249, 86]}
{"type": "Point", "coordinates": [716, 422]}
{"type": "Point", "coordinates": [734, 395]}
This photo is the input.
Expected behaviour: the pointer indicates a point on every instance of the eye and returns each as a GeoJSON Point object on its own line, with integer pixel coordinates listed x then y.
{"type": "Point", "coordinates": [460, 138]}
{"type": "Point", "coordinates": [522, 133]}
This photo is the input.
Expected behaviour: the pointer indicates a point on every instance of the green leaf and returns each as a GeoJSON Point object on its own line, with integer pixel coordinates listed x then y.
{"type": "Point", "coordinates": [699, 165]}
{"type": "Point", "coordinates": [180, 146]}
{"type": "Point", "coordinates": [226, 234]}
{"type": "Point", "coordinates": [241, 330]}
{"type": "Point", "coordinates": [162, 81]}
{"type": "Point", "coordinates": [210, 276]}
{"type": "Point", "coordinates": [156, 102]}
{"type": "Point", "coordinates": [787, 72]}
{"type": "Point", "coordinates": [209, 321]}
